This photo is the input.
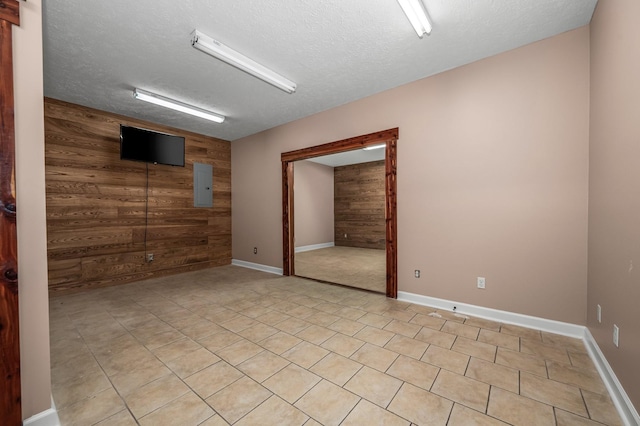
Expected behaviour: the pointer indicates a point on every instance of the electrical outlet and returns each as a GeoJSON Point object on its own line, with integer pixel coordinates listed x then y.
{"type": "Point", "coordinates": [149, 257]}
{"type": "Point", "coordinates": [481, 282]}
{"type": "Point", "coordinates": [345, 236]}
{"type": "Point", "coordinates": [599, 314]}
{"type": "Point", "coordinates": [255, 250]}
{"type": "Point", "coordinates": [616, 335]}
{"type": "Point", "coordinates": [417, 273]}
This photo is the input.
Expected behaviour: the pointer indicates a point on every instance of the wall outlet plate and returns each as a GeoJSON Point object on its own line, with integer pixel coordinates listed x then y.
{"type": "Point", "coordinates": [255, 250]}
{"type": "Point", "coordinates": [599, 310]}
{"type": "Point", "coordinates": [416, 273]}
{"type": "Point", "coordinates": [481, 282]}
{"type": "Point", "coordinates": [616, 335]}
{"type": "Point", "coordinates": [149, 257]}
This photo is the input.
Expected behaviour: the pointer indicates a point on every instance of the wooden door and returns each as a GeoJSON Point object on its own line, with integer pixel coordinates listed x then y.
{"type": "Point", "coordinates": [10, 405]}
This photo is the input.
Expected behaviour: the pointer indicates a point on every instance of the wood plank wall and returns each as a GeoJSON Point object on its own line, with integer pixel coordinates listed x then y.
{"type": "Point", "coordinates": [359, 205]}
{"type": "Point", "coordinates": [96, 203]}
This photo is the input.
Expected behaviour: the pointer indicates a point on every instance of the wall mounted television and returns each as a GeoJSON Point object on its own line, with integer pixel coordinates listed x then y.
{"type": "Point", "coordinates": [152, 147]}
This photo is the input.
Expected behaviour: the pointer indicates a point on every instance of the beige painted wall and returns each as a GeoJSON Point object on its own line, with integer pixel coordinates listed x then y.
{"type": "Point", "coordinates": [614, 206]}
{"type": "Point", "coordinates": [30, 188]}
{"type": "Point", "coordinates": [313, 198]}
{"type": "Point", "coordinates": [492, 178]}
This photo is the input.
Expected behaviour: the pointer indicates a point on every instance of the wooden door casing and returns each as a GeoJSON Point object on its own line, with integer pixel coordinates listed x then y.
{"type": "Point", "coordinates": [10, 396]}
{"type": "Point", "coordinates": [390, 139]}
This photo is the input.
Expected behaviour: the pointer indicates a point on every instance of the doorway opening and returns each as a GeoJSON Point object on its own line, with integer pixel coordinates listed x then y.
{"type": "Point", "coordinates": [387, 137]}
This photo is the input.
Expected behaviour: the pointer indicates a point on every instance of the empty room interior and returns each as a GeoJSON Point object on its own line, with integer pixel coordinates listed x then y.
{"type": "Point", "coordinates": [339, 204]}
{"type": "Point", "coordinates": [336, 213]}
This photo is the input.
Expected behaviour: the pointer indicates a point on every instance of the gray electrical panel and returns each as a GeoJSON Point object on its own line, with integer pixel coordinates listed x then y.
{"type": "Point", "coordinates": [202, 185]}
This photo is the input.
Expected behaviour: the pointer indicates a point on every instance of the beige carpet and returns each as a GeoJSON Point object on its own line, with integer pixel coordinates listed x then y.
{"type": "Point", "coordinates": [355, 267]}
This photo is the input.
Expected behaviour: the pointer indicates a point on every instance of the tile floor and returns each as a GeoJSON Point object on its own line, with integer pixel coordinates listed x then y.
{"type": "Point", "coordinates": [352, 266]}
{"type": "Point", "coordinates": [235, 346]}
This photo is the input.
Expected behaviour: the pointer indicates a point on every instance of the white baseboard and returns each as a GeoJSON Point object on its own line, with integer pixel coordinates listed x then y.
{"type": "Point", "coordinates": [621, 400]}
{"type": "Point", "coordinates": [257, 266]}
{"type": "Point", "coordinates": [314, 247]}
{"type": "Point", "coordinates": [46, 418]}
{"type": "Point", "coordinates": [543, 324]}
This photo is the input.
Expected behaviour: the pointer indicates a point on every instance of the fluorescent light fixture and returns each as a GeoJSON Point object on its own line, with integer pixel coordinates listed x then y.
{"type": "Point", "coordinates": [177, 105]}
{"type": "Point", "coordinates": [417, 16]}
{"type": "Point", "coordinates": [369, 148]}
{"type": "Point", "coordinates": [212, 47]}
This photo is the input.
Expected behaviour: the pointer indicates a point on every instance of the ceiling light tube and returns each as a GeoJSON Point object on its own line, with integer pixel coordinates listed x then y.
{"type": "Point", "coordinates": [212, 47]}
{"type": "Point", "coordinates": [177, 105]}
{"type": "Point", "coordinates": [417, 16]}
{"type": "Point", "coordinates": [369, 148]}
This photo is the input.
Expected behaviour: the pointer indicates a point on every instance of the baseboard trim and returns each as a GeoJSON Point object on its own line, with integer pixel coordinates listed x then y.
{"type": "Point", "coordinates": [620, 398]}
{"type": "Point", "coordinates": [543, 324]}
{"type": "Point", "coordinates": [314, 247]}
{"type": "Point", "coordinates": [623, 404]}
{"type": "Point", "coordinates": [45, 418]}
{"type": "Point", "coordinates": [257, 266]}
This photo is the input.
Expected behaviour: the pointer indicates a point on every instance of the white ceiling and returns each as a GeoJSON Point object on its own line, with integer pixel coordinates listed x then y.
{"type": "Point", "coordinates": [337, 51]}
{"type": "Point", "coordinates": [349, 157]}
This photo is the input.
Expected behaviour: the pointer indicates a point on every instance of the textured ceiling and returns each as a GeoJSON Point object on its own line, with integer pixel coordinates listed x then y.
{"type": "Point", "coordinates": [349, 157]}
{"type": "Point", "coordinates": [337, 51]}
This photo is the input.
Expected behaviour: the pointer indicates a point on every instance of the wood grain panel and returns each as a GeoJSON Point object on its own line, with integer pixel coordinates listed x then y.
{"type": "Point", "coordinates": [359, 197]}
{"type": "Point", "coordinates": [96, 203]}
{"type": "Point", "coordinates": [288, 224]}
{"type": "Point", "coordinates": [10, 391]}
{"type": "Point", "coordinates": [391, 209]}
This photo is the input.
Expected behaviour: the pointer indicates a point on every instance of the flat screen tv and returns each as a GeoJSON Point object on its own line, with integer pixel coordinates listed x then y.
{"type": "Point", "coordinates": [152, 147]}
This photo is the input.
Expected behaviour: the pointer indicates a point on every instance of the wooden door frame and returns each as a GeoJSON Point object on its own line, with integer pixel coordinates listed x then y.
{"type": "Point", "coordinates": [388, 137]}
{"type": "Point", "coordinates": [10, 391]}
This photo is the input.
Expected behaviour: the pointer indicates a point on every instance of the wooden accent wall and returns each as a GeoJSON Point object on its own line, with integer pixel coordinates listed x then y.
{"type": "Point", "coordinates": [359, 192]}
{"type": "Point", "coordinates": [96, 203]}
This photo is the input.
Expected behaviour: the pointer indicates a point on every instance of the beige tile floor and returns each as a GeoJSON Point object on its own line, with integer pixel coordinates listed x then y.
{"type": "Point", "coordinates": [235, 346]}
{"type": "Point", "coordinates": [351, 266]}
